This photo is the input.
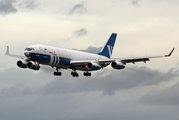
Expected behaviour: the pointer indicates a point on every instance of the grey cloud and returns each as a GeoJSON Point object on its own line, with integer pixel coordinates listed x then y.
{"type": "Point", "coordinates": [78, 8]}
{"type": "Point", "coordinates": [78, 33]}
{"type": "Point", "coordinates": [81, 32]}
{"type": "Point", "coordinates": [92, 49]}
{"type": "Point", "coordinates": [28, 4]}
{"type": "Point", "coordinates": [68, 98]}
{"type": "Point", "coordinates": [135, 2]}
{"type": "Point", "coordinates": [31, 4]}
{"type": "Point", "coordinates": [7, 6]}
{"type": "Point", "coordinates": [17, 90]}
{"type": "Point", "coordinates": [109, 81]}
{"type": "Point", "coordinates": [168, 96]}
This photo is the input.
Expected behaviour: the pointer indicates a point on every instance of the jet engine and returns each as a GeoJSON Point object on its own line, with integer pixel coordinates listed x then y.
{"type": "Point", "coordinates": [117, 65]}
{"type": "Point", "coordinates": [22, 64]}
{"type": "Point", "coordinates": [93, 66]}
{"type": "Point", "coordinates": [32, 65]}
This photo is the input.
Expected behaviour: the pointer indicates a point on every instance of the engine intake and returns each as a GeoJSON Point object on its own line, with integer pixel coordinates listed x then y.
{"type": "Point", "coordinates": [90, 66]}
{"type": "Point", "coordinates": [32, 65]}
{"type": "Point", "coordinates": [93, 66]}
{"type": "Point", "coordinates": [117, 65]}
{"type": "Point", "coordinates": [22, 64]}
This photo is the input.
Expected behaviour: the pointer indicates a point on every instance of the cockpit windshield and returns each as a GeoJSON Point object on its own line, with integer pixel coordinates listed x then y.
{"type": "Point", "coordinates": [29, 49]}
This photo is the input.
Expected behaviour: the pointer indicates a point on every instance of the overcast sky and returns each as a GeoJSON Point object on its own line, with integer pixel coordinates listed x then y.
{"type": "Point", "coordinates": [139, 92]}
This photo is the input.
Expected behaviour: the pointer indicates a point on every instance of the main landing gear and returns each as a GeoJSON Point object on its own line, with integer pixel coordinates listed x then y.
{"type": "Point", "coordinates": [87, 74]}
{"type": "Point", "coordinates": [57, 73]}
{"type": "Point", "coordinates": [74, 74]}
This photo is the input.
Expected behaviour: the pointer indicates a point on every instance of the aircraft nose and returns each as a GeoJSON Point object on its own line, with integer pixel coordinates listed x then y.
{"type": "Point", "coordinates": [26, 53]}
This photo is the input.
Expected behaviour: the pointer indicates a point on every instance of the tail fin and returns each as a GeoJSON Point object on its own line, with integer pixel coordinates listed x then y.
{"type": "Point", "coordinates": [108, 48]}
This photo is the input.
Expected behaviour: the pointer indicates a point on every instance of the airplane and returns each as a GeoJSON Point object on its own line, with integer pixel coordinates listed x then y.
{"type": "Point", "coordinates": [61, 58]}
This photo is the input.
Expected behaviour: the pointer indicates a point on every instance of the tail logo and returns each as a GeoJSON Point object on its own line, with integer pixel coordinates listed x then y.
{"type": "Point", "coordinates": [110, 48]}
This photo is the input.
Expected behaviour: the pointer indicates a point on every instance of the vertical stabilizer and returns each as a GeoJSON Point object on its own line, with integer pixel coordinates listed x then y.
{"type": "Point", "coordinates": [108, 48]}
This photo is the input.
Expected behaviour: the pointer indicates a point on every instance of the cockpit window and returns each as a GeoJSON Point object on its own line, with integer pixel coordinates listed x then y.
{"type": "Point", "coordinates": [29, 49]}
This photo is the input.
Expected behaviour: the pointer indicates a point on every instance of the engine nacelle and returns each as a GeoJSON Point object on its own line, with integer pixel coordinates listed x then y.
{"type": "Point", "coordinates": [93, 66]}
{"type": "Point", "coordinates": [117, 65]}
{"type": "Point", "coordinates": [32, 65]}
{"type": "Point", "coordinates": [22, 64]}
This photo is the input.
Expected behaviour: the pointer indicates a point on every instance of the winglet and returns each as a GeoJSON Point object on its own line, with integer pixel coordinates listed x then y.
{"type": "Point", "coordinates": [7, 51]}
{"type": "Point", "coordinates": [170, 53]}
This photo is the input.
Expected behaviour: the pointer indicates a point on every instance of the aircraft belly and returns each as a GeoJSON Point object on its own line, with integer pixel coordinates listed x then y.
{"type": "Point", "coordinates": [64, 62]}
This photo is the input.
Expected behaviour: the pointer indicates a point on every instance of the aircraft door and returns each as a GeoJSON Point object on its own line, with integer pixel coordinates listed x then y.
{"type": "Point", "coordinates": [41, 50]}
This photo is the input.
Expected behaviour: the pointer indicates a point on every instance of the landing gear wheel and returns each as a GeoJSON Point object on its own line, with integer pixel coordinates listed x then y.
{"type": "Point", "coordinates": [74, 74]}
{"type": "Point", "coordinates": [38, 67]}
{"type": "Point", "coordinates": [86, 74]}
{"type": "Point", "coordinates": [77, 74]}
{"type": "Point", "coordinates": [57, 73]}
{"type": "Point", "coordinates": [89, 74]}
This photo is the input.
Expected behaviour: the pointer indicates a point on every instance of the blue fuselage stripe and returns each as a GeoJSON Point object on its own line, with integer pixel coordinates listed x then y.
{"type": "Point", "coordinates": [53, 60]}
{"type": "Point", "coordinates": [56, 61]}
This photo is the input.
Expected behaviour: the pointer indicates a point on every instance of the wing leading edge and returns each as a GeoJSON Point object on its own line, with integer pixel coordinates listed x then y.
{"type": "Point", "coordinates": [122, 60]}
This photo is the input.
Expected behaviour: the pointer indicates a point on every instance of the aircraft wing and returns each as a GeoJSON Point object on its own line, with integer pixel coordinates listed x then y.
{"type": "Point", "coordinates": [143, 59]}
{"type": "Point", "coordinates": [16, 56]}
{"type": "Point", "coordinates": [123, 60]}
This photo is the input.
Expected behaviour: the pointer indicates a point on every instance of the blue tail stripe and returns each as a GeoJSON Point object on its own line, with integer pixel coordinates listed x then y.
{"type": "Point", "coordinates": [108, 48]}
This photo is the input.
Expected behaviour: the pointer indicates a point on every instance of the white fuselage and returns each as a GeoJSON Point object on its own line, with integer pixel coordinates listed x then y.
{"type": "Point", "coordinates": [58, 57]}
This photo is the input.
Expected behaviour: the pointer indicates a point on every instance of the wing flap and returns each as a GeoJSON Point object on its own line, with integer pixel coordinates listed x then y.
{"type": "Point", "coordinates": [133, 60]}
